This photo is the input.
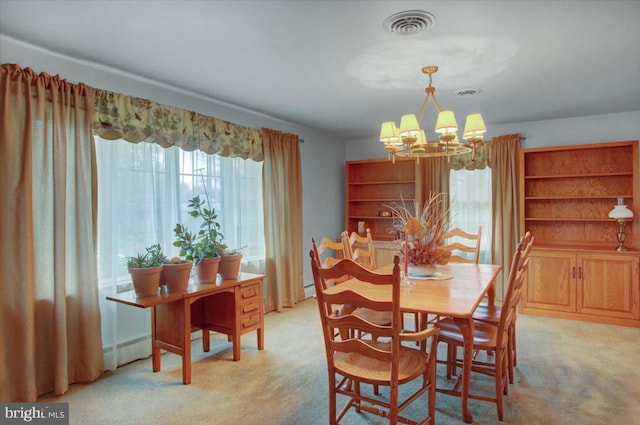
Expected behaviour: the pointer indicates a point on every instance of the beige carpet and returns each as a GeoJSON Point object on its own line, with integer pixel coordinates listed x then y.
{"type": "Point", "coordinates": [569, 372]}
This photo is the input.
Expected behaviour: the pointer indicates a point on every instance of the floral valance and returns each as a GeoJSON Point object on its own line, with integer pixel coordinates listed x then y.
{"type": "Point", "coordinates": [469, 162]}
{"type": "Point", "coordinates": [117, 116]}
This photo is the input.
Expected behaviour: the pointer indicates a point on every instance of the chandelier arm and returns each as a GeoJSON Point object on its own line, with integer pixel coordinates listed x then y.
{"type": "Point", "coordinates": [436, 101]}
{"type": "Point", "coordinates": [422, 108]}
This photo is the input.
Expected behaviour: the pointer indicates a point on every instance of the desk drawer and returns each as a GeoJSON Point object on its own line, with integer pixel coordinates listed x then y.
{"type": "Point", "coordinates": [249, 307]}
{"type": "Point", "coordinates": [250, 291]}
{"type": "Point", "coordinates": [250, 321]}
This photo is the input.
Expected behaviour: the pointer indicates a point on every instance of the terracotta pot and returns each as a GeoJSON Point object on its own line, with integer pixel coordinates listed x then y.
{"type": "Point", "coordinates": [146, 281]}
{"type": "Point", "coordinates": [207, 270]}
{"type": "Point", "coordinates": [422, 270]}
{"type": "Point", "coordinates": [176, 275]}
{"type": "Point", "coordinates": [230, 266]}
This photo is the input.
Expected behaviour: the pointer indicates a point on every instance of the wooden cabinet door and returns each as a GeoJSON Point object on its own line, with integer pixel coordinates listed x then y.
{"type": "Point", "coordinates": [609, 285]}
{"type": "Point", "coordinates": [385, 251]}
{"type": "Point", "coordinates": [551, 281]}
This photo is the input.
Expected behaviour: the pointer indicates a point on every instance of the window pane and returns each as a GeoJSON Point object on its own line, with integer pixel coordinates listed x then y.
{"type": "Point", "coordinates": [144, 190]}
{"type": "Point", "coordinates": [471, 205]}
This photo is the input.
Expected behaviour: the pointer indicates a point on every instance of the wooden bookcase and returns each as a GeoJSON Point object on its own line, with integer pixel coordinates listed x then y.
{"type": "Point", "coordinates": [568, 193]}
{"type": "Point", "coordinates": [370, 185]}
{"type": "Point", "coordinates": [565, 198]}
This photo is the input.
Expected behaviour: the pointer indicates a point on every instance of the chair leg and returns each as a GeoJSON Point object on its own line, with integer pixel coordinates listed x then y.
{"type": "Point", "coordinates": [332, 400]}
{"type": "Point", "coordinates": [510, 354]}
{"type": "Point", "coordinates": [432, 393]}
{"type": "Point", "coordinates": [452, 358]}
{"type": "Point", "coordinates": [499, 382]}
{"type": "Point", "coordinates": [513, 338]}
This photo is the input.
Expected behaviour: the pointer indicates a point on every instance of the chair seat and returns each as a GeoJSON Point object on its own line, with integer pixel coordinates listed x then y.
{"type": "Point", "coordinates": [485, 334]}
{"type": "Point", "coordinates": [372, 316]}
{"type": "Point", "coordinates": [413, 363]}
{"type": "Point", "coordinates": [487, 313]}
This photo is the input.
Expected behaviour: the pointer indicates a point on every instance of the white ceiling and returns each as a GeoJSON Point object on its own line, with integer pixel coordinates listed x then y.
{"type": "Point", "coordinates": [330, 65]}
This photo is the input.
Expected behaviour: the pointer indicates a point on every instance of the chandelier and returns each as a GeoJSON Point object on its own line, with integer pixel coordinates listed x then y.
{"type": "Point", "coordinates": [410, 141]}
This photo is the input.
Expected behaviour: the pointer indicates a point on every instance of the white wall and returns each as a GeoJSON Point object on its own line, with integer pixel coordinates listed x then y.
{"type": "Point", "coordinates": [322, 154]}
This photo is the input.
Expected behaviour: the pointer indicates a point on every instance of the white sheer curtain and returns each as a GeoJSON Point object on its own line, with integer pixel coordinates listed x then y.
{"type": "Point", "coordinates": [470, 194]}
{"type": "Point", "coordinates": [143, 191]}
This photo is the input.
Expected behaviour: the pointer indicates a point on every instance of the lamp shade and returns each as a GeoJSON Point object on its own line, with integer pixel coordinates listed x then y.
{"type": "Point", "coordinates": [389, 132]}
{"type": "Point", "coordinates": [474, 127]}
{"type": "Point", "coordinates": [446, 122]}
{"type": "Point", "coordinates": [620, 212]}
{"type": "Point", "coordinates": [409, 126]}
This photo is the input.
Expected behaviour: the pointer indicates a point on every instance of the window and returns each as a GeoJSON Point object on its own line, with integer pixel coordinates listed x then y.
{"type": "Point", "coordinates": [471, 205]}
{"type": "Point", "coordinates": [143, 191]}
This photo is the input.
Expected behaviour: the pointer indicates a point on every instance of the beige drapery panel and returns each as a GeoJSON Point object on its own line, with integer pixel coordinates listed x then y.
{"type": "Point", "coordinates": [118, 116]}
{"type": "Point", "coordinates": [432, 176]}
{"type": "Point", "coordinates": [282, 188]}
{"type": "Point", "coordinates": [505, 159]}
{"type": "Point", "coordinates": [49, 317]}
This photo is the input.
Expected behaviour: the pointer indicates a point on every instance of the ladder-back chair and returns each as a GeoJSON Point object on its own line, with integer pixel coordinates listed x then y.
{"type": "Point", "coordinates": [465, 247]}
{"type": "Point", "coordinates": [361, 250]}
{"type": "Point", "coordinates": [489, 337]}
{"type": "Point", "coordinates": [353, 360]}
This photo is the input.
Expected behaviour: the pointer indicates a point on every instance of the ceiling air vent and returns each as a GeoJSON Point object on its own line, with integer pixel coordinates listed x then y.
{"type": "Point", "coordinates": [409, 22]}
{"type": "Point", "coordinates": [467, 92]}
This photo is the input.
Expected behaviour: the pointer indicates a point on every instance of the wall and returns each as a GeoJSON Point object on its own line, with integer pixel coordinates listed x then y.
{"type": "Point", "coordinates": [321, 153]}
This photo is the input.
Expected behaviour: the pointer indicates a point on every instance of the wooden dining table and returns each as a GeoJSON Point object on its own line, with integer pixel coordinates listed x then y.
{"type": "Point", "coordinates": [456, 293]}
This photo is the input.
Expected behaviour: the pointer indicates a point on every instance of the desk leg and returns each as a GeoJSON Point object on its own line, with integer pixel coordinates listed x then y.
{"type": "Point", "coordinates": [466, 329]}
{"type": "Point", "coordinates": [155, 349]}
{"type": "Point", "coordinates": [186, 344]}
{"type": "Point", "coordinates": [260, 332]}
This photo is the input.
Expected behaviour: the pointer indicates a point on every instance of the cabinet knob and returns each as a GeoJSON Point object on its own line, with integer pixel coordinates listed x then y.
{"type": "Point", "coordinates": [573, 272]}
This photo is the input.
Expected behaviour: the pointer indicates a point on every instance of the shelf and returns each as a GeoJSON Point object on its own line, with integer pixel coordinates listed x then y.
{"type": "Point", "coordinates": [573, 176]}
{"type": "Point", "coordinates": [382, 182]}
{"type": "Point", "coordinates": [578, 220]}
{"type": "Point", "coordinates": [564, 198]}
{"type": "Point", "coordinates": [382, 200]}
{"type": "Point", "coordinates": [370, 217]}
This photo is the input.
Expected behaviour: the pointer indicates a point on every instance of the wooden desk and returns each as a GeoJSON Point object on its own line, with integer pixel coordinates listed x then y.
{"type": "Point", "coordinates": [231, 307]}
{"type": "Point", "coordinates": [457, 298]}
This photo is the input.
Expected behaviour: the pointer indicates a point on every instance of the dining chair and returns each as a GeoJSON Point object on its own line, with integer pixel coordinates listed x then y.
{"type": "Point", "coordinates": [331, 251]}
{"type": "Point", "coordinates": [378, 317]}
{"type": "Point", "coordinates": [353, 360]}
{"type": "Point", "coordinates": [361, 250]}
{"type": "Point", "coordinates": [489, 337]}
{"type": "Point", "coordinates": [491, 313]}
{"type": "Point", "coordinates": [465, 247]}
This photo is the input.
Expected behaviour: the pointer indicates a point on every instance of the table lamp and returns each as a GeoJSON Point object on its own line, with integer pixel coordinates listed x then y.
{"type": "Point", "coordinates": [621, 214]}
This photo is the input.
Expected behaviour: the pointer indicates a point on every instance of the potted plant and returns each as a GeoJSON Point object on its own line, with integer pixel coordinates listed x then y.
{"type": "Point", "coordinates": [230, 260]}
{"type": "Point", "coordinates": [204, 247]}
{"type": "Point", "coordinates": [175, 274]}
{"type": "Point", "coordinates": [422, 233]}
{"type": "Point", "coordinates": [145, 269]}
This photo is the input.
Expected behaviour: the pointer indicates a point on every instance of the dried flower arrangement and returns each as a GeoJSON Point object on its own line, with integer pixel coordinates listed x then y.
{"type": "Point", "coordinates": [423, 231]}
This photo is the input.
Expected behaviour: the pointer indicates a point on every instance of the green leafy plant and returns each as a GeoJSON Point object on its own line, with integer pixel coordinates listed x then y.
{"type": "Point", "coordinates": [153, 257]}
{"type": "Point", "coordinates": [232, 251]}
{"type": "Point", "coordinates": [207, 242]}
